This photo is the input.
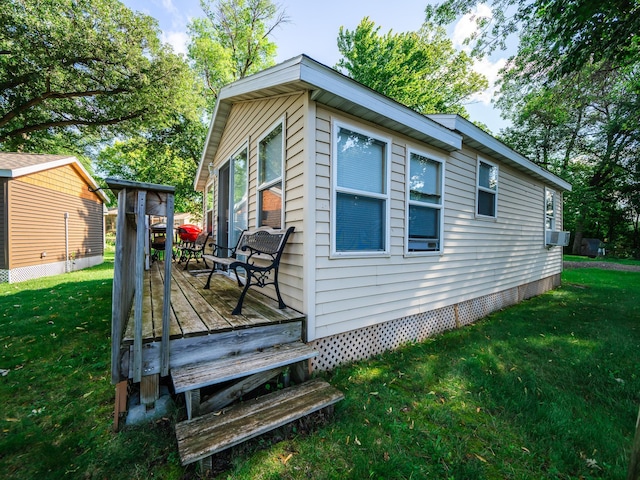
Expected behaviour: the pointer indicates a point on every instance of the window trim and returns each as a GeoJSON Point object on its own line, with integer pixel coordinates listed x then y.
{"type": "Point", "coordinates": [441, 160]}
{"type": "Point", "coordinates": [336, 125]}
{"type": "Point", "coordinates": [480, 188]}
{"type": "Point", "coordinates": [265, 185]}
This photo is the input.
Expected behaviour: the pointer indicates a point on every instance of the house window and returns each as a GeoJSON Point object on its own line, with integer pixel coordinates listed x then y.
{"type": "Point", "coordinates": [424, 204]}
{"type": "Point", "coordinates": [550, 210]}
{"type": "Point", "coordinates": [209, 207]}
{"type": "Point", "coordinates": [270, 185]}
{"type": "Point", "coordinates": [487, 198]}
{"type": "Point", "coordinates": [361, 195]}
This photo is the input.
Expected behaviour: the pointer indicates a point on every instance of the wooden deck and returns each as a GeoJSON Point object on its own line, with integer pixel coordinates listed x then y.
{"type": "Point", "coordinates": [196, 311]}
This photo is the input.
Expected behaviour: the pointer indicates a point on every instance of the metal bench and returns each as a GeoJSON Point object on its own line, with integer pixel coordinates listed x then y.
{"type": "Point", "coordinates": [263, 248]}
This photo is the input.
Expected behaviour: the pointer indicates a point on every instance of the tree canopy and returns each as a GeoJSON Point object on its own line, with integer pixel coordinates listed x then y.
{"type": "Point", "coordinates": [232, 41]}
{"type": "Point", "coordinates": [421, 70]}
{"type": "Point", "coordinates": [89, 67]}
{"type": "Point", "coordinates": [569, 34]}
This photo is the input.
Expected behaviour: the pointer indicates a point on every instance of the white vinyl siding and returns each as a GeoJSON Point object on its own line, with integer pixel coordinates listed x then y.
{"type": "Point", "coordinates": [253, 120]}
{"type": "Point", "coordinates": [479, 258]}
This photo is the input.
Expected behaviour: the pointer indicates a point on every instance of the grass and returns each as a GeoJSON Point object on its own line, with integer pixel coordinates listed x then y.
{"type": "Point", "coordinates": [580, 258]}
{"type": "Point", "coordinates": [549, 388]}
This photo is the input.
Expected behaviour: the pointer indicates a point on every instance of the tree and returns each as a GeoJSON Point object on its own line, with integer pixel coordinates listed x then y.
{"type": "Point", "coordinates": [569, 34]}
{"type": "Point", "coordinates": [232, 41]}
{"type": "Point", "coordinates": [584, 128]}
{"type": "Point", "coordinates": [83, 67]}
{"type": "Point", "coordinates": [160, 155]}
{"type": "Point", "coordinates": [421, 70]}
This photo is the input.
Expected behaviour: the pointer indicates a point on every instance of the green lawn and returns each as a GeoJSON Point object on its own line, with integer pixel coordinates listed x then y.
{"type": "Point", "coordinates": [549, 388]}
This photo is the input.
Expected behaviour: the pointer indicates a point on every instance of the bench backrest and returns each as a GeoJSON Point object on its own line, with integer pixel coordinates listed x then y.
{"type": "Point", "coordinates": [264, 240]}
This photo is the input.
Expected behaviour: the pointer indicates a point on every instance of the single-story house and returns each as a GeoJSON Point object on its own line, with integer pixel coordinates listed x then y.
{"type": "Point", "coordinates": [405, 224]}
{"type": "Point", "coordinates": [51, 216]}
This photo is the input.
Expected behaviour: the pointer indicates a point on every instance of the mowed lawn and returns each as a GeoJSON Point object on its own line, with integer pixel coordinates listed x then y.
{"type": "Point", "coordinates": [549, 388]}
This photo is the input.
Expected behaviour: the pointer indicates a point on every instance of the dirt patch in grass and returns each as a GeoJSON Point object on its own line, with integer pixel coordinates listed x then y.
{"type": "Point", "coordinates": [603, 265]}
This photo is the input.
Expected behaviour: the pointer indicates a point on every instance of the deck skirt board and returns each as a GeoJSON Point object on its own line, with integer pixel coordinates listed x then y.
{"type": "Point", "coordinates": [198, 312]}
{"type": "Point", "coordinates": [203, 436]}
{"type": "Point", "coordinates": [202, 374]}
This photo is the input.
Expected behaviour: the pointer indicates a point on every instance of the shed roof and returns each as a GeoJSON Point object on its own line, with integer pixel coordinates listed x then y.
{"type": "Point", "coordinates": [14, 164]}
{"type": "Point", "coordinates": [331, 88]}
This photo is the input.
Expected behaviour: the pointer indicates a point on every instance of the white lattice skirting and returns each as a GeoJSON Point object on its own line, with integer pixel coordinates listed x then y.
{"type": "Point", "coordinates": [47, 269]}
{"type": "Point", "coordinates": [366, 342]}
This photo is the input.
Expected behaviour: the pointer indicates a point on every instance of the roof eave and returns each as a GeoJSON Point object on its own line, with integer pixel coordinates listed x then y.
{"type": "Point", "coordinates": [480, 140]}
{"type": "Point", "coordinates": [329, 87]}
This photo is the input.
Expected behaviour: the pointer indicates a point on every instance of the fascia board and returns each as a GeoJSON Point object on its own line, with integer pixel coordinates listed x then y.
{"type": "Point", "coordinates": [40, 167]}
{"type": "Point", "coordinates": [19, 172]}
{"type": "Point", "coordinates": [327, 79]}
{"type": "Point", "coordinates": [466, 128]}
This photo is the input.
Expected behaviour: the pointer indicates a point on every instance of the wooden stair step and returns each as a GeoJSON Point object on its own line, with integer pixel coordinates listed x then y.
{"type": "Point", "coordinates": [209, 434]}
{"type": "Point", "coordinates": [202, 374]}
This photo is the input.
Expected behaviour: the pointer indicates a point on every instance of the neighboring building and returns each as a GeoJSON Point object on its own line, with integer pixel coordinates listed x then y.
{"type": "Point", "coordinates": [405, 225]}
{"type": "Point", "coordinates": [51, 216]}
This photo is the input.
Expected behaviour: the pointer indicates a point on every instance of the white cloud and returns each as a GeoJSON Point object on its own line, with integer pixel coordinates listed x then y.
{"type": "Point", "coordinates": [178, 40]}
{"type": "Point", "coordinates": [467, 25]}
{"type": "Point", "coordinates": [489, 68]}
{"type": "Point", "coordinates": [169, 6]}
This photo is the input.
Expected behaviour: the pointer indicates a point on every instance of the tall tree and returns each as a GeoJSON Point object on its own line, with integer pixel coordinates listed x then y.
{"type": "Point", "coordinates": [233, 41]}
{"type": "Point", "coordinates": [89, 67]}
{"type": "Point", "coordinates": [569, 34]}
{"type": "Point", "coordinates": [419, 69]}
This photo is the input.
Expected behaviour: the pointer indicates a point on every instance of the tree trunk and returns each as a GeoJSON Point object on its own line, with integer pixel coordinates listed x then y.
{"type": "Point", "coordinates": [577, 239]}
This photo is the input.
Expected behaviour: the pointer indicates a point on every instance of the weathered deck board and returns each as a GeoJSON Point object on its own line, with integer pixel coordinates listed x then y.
{"type": "Point", "coordinates": [203, 436]}
{"type": "Point", "coordinates": [189, 319]}
{"type": "Point", "coordinates": [196, 311]}
{"type": "Point", "coordinates": [157, 294]}
{"type": "Point", "coordinates": [214, 321]}
{"type": "Point", "coordinates": [203, 374]}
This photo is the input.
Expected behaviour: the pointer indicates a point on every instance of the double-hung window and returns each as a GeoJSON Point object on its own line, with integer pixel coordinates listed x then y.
{"type": "Point", "coordinates": [549, 209]}
{"type": "Point", "coordinates": [424, 204]}
{"type": "Point", "coordinates": [360, 193]}
{"type": "Point", "coordinates": [270, 184]}
{"type": "Point", "coordinates": [208, 203]}
{"type": "Point", "coordinates": [487, 191]}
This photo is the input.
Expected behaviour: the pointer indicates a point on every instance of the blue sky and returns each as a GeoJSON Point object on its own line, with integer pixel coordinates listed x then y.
{"type": "Point", "coordinates": [313, 30]}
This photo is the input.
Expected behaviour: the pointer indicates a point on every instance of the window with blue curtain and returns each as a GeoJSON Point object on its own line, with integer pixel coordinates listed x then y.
{"type": "Point", "coordinates": [361, 193]}
{"type": "Point", "coordinates": [424, 204]}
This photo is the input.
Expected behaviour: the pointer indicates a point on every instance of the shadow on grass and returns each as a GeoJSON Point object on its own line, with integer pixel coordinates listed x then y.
{"type": "Point", "coordinates": [546, 389]}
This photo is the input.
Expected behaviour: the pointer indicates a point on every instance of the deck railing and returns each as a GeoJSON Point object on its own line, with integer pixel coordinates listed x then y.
{"type": "Point", "coordinates": [136, 201]}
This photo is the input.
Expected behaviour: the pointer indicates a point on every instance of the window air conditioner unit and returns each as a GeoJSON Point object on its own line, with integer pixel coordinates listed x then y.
{"type": "Point", "coordinates": [423, 244]}
{"type": "Point", "coordinates": [554, 237]}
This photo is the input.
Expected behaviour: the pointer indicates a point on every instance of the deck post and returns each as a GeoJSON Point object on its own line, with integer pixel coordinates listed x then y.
{"type": "Point", "coordinates": [118, 310]}
{"type": "Point", "coordinates": [166, 306]}
{"type": "Point", "coordinates": [139, 284]}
